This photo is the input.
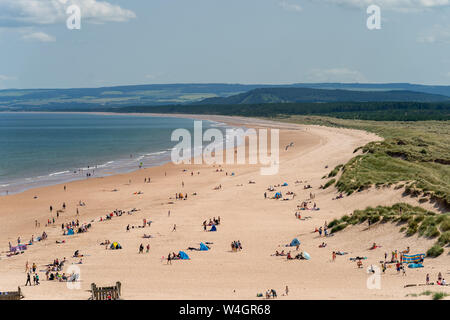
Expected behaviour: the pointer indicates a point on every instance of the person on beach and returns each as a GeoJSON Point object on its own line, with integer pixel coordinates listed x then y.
{"type": "Point", "coordinates": [169, 260]}
{"type": "Point", "coordinates": [168, 213]}
{"type": "Point", "coordinates": [287, 290]}
{"type": "Point", "coordinates": [28, 279]}
{"type": "Point", "coordinates": [148, 248]}
{"type": "Point", "coordinates": [428, 279]}
{"type": "Point", "coordinates": [51, 208]}
{"type": "Point", "coordinates": [141, 248]}
{"type": "Point", "coordinates": [333, 256]}
{"type": "Point", "coordinates": [174, 228]}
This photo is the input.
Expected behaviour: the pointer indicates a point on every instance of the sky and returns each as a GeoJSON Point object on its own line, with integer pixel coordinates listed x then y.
{"type": "Point", "coordinates": [126, 42]}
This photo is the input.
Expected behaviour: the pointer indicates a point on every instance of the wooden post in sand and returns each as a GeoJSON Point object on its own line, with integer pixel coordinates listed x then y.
{"type": "Point", "coordinates": [104, 293]}
{"type": "Point", "coordinates": [12, 295]}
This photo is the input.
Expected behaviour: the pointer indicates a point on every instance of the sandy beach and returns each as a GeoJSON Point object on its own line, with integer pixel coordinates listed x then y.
{"type": "Point", "coordinates": [263, 226]}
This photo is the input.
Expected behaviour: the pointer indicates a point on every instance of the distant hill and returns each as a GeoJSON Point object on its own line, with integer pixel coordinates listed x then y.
{"type": "Point", "coordinates": [86, 99]}
{"type": "Point", "coordinates": [300, 95]}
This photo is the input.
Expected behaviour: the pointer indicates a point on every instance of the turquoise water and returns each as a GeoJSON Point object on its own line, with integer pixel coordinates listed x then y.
{"type": "Point", "coordinates": [46, 148]}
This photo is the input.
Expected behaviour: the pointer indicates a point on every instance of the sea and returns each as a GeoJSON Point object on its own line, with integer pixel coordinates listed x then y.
{"type": "Point", "coordinates": [41, 149]}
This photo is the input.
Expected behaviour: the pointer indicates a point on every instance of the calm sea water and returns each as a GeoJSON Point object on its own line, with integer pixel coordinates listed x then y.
{"type": "Point", "coordinates": [47, 148]}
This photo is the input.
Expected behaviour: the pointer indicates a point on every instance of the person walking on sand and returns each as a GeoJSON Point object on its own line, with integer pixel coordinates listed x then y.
{"type": "Point", "coordinates": [169, 260]}
{"type": "Point", "coordinates": [28, 279]}
{"type": "Point", "coordinates": [141, 248]}
{"type": "Point", "coordinates": [334, 256]}
{"type": "Point", "coordinates": [428, 279]}
{"type": "Point", "coordinates": [287, 290]}
{"type": "Point", "coordinates": [174, 228]}
{"type": "Point", "coordinates": [168, 213]}
{"type": "Point", "coordinates": [148, 248]}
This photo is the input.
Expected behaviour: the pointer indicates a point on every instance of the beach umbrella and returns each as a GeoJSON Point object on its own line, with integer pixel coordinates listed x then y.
{"type": "Point", "coordinates": [306, 255]}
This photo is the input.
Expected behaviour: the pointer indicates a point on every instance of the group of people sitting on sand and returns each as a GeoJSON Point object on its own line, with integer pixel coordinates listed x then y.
{"type": "Point", "coordinates": [299, 256]}
{"type": "Point", "coordinates": [236, 246]}
{"type": "Point", "coordinates": [212, 222]}
{"type": "Point", "coordinates": [181, 196]}
{"type": "Point", "coordinates": [271, 293]}
{"type": "Point", "coordinates": [304, 206]}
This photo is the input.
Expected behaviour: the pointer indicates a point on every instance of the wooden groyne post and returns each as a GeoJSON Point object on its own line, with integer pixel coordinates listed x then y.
{"type": "Point", "coordinates": [11, 295]}
{"type": "Point", "coordinates": [106, 293]}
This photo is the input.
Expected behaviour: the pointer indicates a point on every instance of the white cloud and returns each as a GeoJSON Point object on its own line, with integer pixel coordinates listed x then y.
{"type": "Point", "coordinates": [436, 34]}
{"type": "Point", "coordinates": [290, 6]}
{"type": "Point", "coordinates": [398, 5]}
{"type": "Point", "coordinates": [19, 13]}
{"type": "Point", "coordinates": [6, 78]}
{"type": "Point", "coordinates": [39, 36]}
{"type": "Point", "coordinates": [335, 75]}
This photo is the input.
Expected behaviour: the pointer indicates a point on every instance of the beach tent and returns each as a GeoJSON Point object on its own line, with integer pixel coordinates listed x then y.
{"type": "Point", "coordinates": [70, 232]}
{"type": "Point", "coordinates": [306, 255]}
{"type": "Point", "coordinates": [213, 228]}
{"type": "Point", "coordinates": [294, 242]}
{"type": "Point", "coordinates": [285, 184]}
{"type": "Point", "coordinates": [115, 246]}
{"type": "Point", "coordinates": [203, 247]}
{"type": "Point", "coordinates": [278, 195]}
{"type": "Point", "coordinates": [183, 255]}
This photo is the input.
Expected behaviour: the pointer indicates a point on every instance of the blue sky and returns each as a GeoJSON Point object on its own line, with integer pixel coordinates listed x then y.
{"type": "Point", "coordinates": [228, 41]}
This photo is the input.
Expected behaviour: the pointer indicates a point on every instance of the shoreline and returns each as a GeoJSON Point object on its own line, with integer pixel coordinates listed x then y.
{"type": "Point", "coordinates": [17, 186]}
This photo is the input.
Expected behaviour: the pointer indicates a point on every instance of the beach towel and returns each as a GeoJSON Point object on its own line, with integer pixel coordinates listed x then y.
{"type": "Point", "coordinates": [415, 265]}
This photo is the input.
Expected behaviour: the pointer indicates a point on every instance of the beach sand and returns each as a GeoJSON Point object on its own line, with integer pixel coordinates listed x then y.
{"type": "Point", "coordinates": [262, 225]}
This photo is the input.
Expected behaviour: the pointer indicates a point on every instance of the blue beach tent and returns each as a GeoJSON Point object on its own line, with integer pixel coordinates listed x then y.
{"type": "Point", "coordinates": [70, 232]}
{"type": "Point", "coordinates": [213, 228]}
{"type": "Point", "coordinates": [294, 242]}
{"type": "Point", "coordinates": [183, 255]}
{"type": "Point", "coordinates": [203, 247]}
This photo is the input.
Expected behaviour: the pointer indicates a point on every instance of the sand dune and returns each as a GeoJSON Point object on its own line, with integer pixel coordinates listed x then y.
{"type": "Point", "coordinates": [262, 226]}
